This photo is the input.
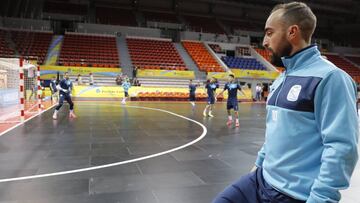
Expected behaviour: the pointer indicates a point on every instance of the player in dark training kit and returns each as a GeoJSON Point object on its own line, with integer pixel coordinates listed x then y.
{"type": "Point", "coordinates": [211, 86]}
{"type": "Point", "coordinates": [232, 103]}
{"type": "Point", "coordinates": [192, 90]}
{"type": "Point", "coordinates": [65, 87]}
{"type": "Point", "coordinates": [54, 90]}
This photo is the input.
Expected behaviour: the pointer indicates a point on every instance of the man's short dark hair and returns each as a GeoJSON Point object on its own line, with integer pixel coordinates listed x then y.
{"type": "Point", "coordinates": [298, 13]}
{"type": "Point", "coordinates": [232, 75]}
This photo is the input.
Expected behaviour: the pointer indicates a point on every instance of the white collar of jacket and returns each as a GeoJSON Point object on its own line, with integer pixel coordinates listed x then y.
{"type": "Point", "coordinates": [302, 58]}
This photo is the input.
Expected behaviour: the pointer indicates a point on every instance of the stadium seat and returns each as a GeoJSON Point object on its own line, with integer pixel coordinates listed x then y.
{"type": "Point", "coordinates": [89, 50]}
{"type": "Point", "coordinates": [348, 67]}
{"type": "Point", "coordinates": [203, 59]}
{"type": "Point", "coordinates": [5, 50]}
{"type": "Point", "coordinates": [154, 54]}
{"type": "Point", "coordinates": [267, 55]}
{"type": "Point", "coordinates": [31, 44]}
{"type": "Point", "coordinates": [243, 63]}
{"type": "Point", "coordinates": [354, 59]}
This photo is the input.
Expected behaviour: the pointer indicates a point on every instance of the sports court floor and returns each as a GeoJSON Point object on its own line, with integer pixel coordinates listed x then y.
{"type": "Point", "coordinates": [163, 153]}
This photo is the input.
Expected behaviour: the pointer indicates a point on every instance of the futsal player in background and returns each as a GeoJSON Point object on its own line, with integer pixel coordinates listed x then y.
{"type": "Point", "coordinates": [232, 102]}
{"type": "Point", "coordinates": [91, 79]}
{"type": "Point", "coordinates": [211, 86]}
{"type": "Point", "coordinates": [126, 85]}
{"type": "Point", "coordinates": [54, 90]}
{"type": "Point", "coordinates": [33, 90]}
{"type": "Point", "coordinates": [192, 92]}
{"type": "Point", "coordinates": [65, 86]}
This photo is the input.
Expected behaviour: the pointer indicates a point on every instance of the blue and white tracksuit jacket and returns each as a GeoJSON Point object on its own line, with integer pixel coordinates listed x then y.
{"type": "Point", "coordinates": [126, 85]}
{"type": "Point", "coordinates": [310, 148]}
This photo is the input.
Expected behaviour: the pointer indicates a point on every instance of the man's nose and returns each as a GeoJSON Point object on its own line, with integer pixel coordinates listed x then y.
{"type": "Point", "coordinates": [265, 42]}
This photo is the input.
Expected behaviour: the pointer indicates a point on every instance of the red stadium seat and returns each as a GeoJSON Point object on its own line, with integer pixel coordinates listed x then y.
{"type": "Point", "coordinates": [32, 44]}
{"type": "Point", "coordinates": [88, 50]}
{"type": "Point", "coordinates": [154, 54]}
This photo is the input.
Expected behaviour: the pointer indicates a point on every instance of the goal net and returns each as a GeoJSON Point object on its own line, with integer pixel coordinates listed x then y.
{"type": "Point", "coordinates": [19, 90]}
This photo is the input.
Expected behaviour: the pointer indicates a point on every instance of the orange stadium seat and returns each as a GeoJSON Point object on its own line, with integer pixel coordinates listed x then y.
{"type": "Point", "coordinates": [267, 55]}
{"type": "Point", "coordinates": [202, 57]}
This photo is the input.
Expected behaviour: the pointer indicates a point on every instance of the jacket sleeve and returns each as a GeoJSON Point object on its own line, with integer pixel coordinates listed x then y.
{"type": "Point", "coordinates": [260, 158]}
{"type": "Point", "coordinates": [337, 120]}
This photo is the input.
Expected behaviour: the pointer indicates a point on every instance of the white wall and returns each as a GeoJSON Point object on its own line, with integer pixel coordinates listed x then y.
{"type": "Point", "coordinates": [59, 16]}
{"type": "Point", "coordinates": [241, 39]}
{"type": "Point", "coordinates": [113, 29]}
{"type": "Point", "coordinates": [189, 35]}
{"type": "Point", "coordinates": [229, 46]}
{"type": "Point", "coordinates": [29, 24]}
{"type": "Point", "coordinates": [250, 33]}
{"type": "Point", "coordinates": [153, 24]}
{"type": "Point", "coordinates": [346, 50]}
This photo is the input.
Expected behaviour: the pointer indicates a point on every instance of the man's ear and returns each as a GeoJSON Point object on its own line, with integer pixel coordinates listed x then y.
{"type": "Point", "coordinates": [293, 32]}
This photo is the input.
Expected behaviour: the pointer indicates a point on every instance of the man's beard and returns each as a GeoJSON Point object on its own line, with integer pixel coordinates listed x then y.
{"type": "Point", "coordinates": [285, 50]}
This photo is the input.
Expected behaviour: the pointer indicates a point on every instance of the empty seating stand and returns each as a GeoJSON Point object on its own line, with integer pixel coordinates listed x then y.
{"type": "Point", "coordinates": [267, 55]}
{"type": "Point", "coordinates": [264, 53]}
{"type": "Point", "coordinates": [89, 51]}
{"type": "Point", "coordinates": [354, 59]}
{"type": "Point", "coordinates": [5, 51]}
{"type": "Point", "coordinates": [30, 44]}
{"type": "Point", "coordinates": [154, 54]}
{"type": "Point", "coordinates": [348, 67]}
{"type": "Point", "coordinates": [242, 63]}
{"type": "Point", "coordinates": [203, 59]}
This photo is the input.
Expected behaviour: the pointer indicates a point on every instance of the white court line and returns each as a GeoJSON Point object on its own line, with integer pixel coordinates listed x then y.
{"type": "Point", "coordinates": [16, 113]}
{"type": "Point", "coordinates": [121, 162]}
{"type": "Point", "coordinates": [20, 123]}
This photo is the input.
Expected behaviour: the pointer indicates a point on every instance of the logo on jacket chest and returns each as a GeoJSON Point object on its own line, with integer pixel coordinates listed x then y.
{"type": "Point", "coordinates": [294, 93]}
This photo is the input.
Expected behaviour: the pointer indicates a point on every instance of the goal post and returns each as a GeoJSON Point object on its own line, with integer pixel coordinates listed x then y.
{"type": "Point", "coordinates": [20, 90]}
